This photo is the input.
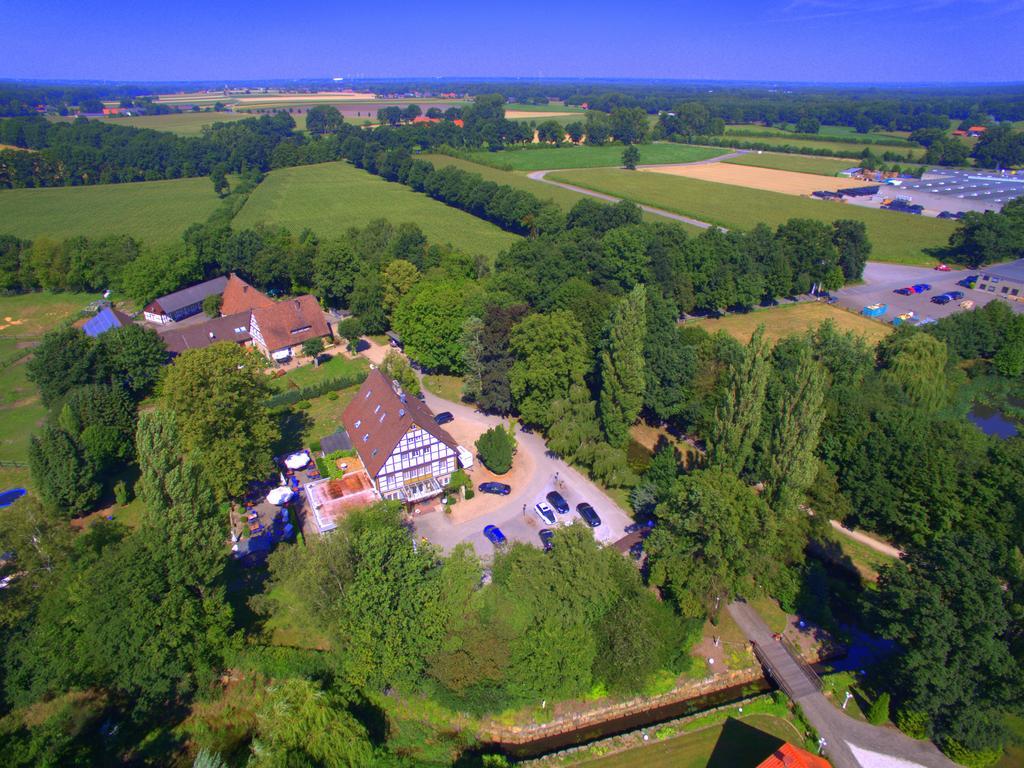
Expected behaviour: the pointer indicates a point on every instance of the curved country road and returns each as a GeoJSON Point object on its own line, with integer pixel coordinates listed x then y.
{"type": "Point", "coordinates": [540, 176]}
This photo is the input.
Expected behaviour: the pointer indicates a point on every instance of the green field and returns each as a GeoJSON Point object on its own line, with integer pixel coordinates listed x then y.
{"type": "Point", "coordinates": [550, 107]}
{"type": "Point", "coordinates": [824, 166]}
{"type": "Point", "coordinates": [895, 237]}
{"type": "Point", "coordinates": [591, 157]}
{"type": "Point", "coordinates": [837, 132]}
{"type": "Point", "coordinates": [181, 123]}
{"type": "Point", "coordinates": [331, 197]}
{"type": "Point", "coordinates": [801, 141]}
{"type": "Point", "coordinates": [563, 198]}
{"type": "Point", "coordinates": [156, 212]}
{"type": "Point", "coordinates": [23, 319]}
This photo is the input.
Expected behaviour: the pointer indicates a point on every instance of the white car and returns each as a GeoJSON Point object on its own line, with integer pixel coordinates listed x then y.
{"type": "Point", "coordinates": [545, 513]}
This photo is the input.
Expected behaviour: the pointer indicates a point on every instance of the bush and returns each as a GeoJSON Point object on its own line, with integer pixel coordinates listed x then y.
{"type": "Point", "coordinates": [913, 723]}
{"type": "Point", "coordinates": [303, 405]}
{"type": "Point", "coordinates": [316, 390]}
{"type": "Point", "coordinates": [122, 494]}
{"type": "Point", "coordinates": [332, 395]}
{"type": "Point", "coordinates": [972, 758]}
{"type": "Point", "coordinates": [878, 713]}
{"type": "Point", "coordinates": [496, 447]}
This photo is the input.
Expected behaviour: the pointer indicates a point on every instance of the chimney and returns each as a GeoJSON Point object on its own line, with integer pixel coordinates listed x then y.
{"type": "Point", "coordinates": [211, 335]}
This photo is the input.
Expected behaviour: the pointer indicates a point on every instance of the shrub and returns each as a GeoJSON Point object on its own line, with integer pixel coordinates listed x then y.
{"type": "Point", "coordinates": [878, 712]}
{"type": "Point", "coordinates": [316, 390]}
{"type": "Point", "coordinates": [972, 758]}
{"type": "Point", "coordinates": [303, 405]}
{"type": "Point", "coordinates": [332, 395]}
{"type": "Point", "coordinates": [496, 447]}
{"type": "Point", "coordinates": [122, 495]}
{"type": "Point", "coordinates": [913, 723]}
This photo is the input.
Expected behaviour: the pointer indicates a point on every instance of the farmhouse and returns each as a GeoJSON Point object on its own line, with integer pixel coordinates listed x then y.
{"type": "Point", "coordinates": [184, 303]}
{"type": "Point", "coordinates": [406, 453]}
{"type": "Point", "coordinates": [280, 329]}
{"type": "Point", "coordinates": [105, 320]}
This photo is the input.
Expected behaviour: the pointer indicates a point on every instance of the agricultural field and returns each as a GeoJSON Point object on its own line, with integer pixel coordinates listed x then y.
{"type": "Point", "coordinates": [787, 319]}
{"type": "Point", "coordinates": [181, 123]}
{"type": "Point", "coordinates": [822, 166]}
{"type": "Point", "coordinates": [591, 157]}
{"type": "Point", "coordinates": [895, 237]}
{"type": "Point", "coordinates": [156, 212]}
{"type": "Point", "coordinates": [552, 106]}
{"type": "Point", "coordinates": [770, 179]}
{"type": "Point", "coordinates": [331, 197]}
{"type": "Point", "coordinates": [23, 319]}
{"type": "Point", "coordinates": [563, 198]}
{"type": "Point", "coordinates": [800, 140]}
{"type": "Point", "coordinates": [827, 132]}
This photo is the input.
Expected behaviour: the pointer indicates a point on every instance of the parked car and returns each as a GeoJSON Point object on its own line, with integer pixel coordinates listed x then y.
{"type": "Point", "coordinates": [637, 550]}
{"type": "Point", "coordinates": [494, 535]}
{"type": "Point", "coordinates": [546, 536]}
{"type": "Point", "coordinates": [545, 513]}
{"type": "Point", "coordinates": [646, 525]}
{"type": "Point", "coordinates": [588, 514]}
{"type": "Point", "coordinates": [942, 298]}
{"type": "Point", "coordinates": [556, 500]}
{"type": "Point", "coordinates": [921, 287]}
{"type": "Point", "coordinates": [969, 281]}
{"type": "Point", "coordinates": [955, 295]}
{"type": "Point", "coordinates": [942, 268]}
{"type": "Point", "coordinates": [444, 417]}
{"type": "Point", "coordinates": [499, 489]}
{"type": "Point", "coordinates": [904, 291]}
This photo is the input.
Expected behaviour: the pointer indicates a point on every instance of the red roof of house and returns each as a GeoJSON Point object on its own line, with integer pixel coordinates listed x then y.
{"type": "Point", "coordinates": [788, 756]}
{"type": "Point", "coordinates": [383, 417]}
{"type": "Point", "coordinates": [286, 323]}
{"type": "Point", "coordinates": [977, 129]}
{"type": "Point", "coordinates": [239, 296]}
{"type": "Point", "coordinates": [458, 122]}
{"type": "Point", "coordinates": [425, 119]}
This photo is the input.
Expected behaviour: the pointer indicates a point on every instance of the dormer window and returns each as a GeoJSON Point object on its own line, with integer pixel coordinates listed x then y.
{"type": "Point", "coordinates": [366, 437]}
{"type": "Point", "coordinates": [358, 423]}
{"type": "Point", "coordinates": [381, 419]}
{"type": "Point", "coordinates": [376, 408]}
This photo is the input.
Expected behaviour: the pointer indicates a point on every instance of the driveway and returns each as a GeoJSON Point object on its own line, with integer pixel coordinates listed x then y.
{"type": "Point", "coordinates": [544, 472]}
{"type": "Point", "coordinates": [849, 743]}
{"type": "Point", "coordinates": [882, 279]}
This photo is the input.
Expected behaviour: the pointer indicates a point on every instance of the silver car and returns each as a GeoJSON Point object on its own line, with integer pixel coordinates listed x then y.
{"type": "Point", "coordinates": [545, 513]}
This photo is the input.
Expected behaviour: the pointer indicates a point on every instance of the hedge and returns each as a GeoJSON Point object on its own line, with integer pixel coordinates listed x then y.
{"type": "Point", "coordinates": [316, 390]}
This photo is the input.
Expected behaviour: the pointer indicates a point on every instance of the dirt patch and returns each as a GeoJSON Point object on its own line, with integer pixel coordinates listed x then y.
{"type": "Point", "coordinates": [768, 179]}
{"type": "Point", "coordinates": [513, 114]}
{"type": "Point", "coordinates": [14, 148]}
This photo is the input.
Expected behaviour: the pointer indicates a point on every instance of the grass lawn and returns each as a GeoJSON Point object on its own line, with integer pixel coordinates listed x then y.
{"type": "Point", "coordinates": [447, 387]}
{"type": "Point", "coordinates": [787, 319]}
{"type": "Point", "coordinates": [181, 123]}
{"type": "Point", "coordinates": [822, 166]}
{"type": "Point", "coordinates": [826, 133]}
{"type": "Point", "coordinates": [895, 237]}
{"type": "Point", "coordinates": [1014, 755]}
{"type": "Point", "coordinates": [563, 198]}
{"type": "Point", "coordinates": [30, 316]}
{"type": "Point", "coordinates": [549, 107]}
{"type": "Point", "coordinates": [866, 560]}
{"type": "Point", "coordinates": [156, 212]}
{"type": "Point", "coordinates": [331, 197]}
{"type": "Point", "coordinates": [591, 157]}
{"type": "Point", "coordinates": [308, 374]}
{"type": "Point", "coordinates": [734, 743]}
{"type": "Point", "coordinates": [322, 418]}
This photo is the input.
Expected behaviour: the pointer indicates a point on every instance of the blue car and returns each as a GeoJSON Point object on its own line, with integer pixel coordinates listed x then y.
{"type": "Point", "coordinates": [942, 298]}
{"type": "Point", "coordinates": [921, 287]}
{"type": "Point", "coordinates": [500, 489]}
{"type": "Point", "coordinates": [494, 535]}
{"type": "Point", "coordinates": [546, 536]}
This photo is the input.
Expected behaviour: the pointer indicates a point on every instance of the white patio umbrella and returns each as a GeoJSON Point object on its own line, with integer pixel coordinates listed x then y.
{"type": "Point", "coordinates": [297, 460]}
{"type": "Point", "coordinates": [280, 496]}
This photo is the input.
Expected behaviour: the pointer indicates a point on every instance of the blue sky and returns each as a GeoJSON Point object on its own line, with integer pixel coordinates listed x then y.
{"type": "Point", "coordinates": [795, 40]}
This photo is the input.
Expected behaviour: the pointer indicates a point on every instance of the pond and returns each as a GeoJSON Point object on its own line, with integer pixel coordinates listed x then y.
{"type": "Point", "coordinates": [992, 421]}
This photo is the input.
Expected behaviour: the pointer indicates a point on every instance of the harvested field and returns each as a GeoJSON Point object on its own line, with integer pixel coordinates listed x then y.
{"type": "Point", "coordinates": [770, 179]}
{"type": "Point", "coordinates": [517, 114]}
{"type": "Point", "coordinates": [587, 156]}
{"type": "Point", "coordinates": [787, 319]}
{"type": "Point", "coordinates": [331, 197]}
{"type": "Point", "coordinates": [822, 166]}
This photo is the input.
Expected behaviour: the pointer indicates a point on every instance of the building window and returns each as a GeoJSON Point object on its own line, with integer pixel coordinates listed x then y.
{"type": "Point", "coordinates": [358, 423]}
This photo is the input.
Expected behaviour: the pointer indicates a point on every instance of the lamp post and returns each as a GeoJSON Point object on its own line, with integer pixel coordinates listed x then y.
{"type": "Point", "coordinates": [847, 700]}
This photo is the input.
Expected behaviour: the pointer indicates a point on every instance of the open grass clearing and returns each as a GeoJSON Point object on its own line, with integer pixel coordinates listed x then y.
{"type": "Point", "coordinates": [446, 387]}
{"type": "Point", "coordinates": [787, 319]}
{"type": "Point", "coordinates": [156, 212]}
{"type": "Point", "coordinates": [591, 157]}
{"type": "Point", "coordinates": [821, 166]}
{"type": "Point", "coordinates": [309, 374]}
{"type": "Point", "coordinates": [752, 177]}
{"type": "Point", "coordinates": [551, 106]}
{"type": "Point", "coordinates": [801, 142]}
{"type": "Point", "coordinates": [895, 237]}
{"type": "Point", "coordinates": [563, 198]}
{"type": "Point", "coordinates": [181, 123]}
{"type": "Point", "coordinates": [825, 133]}
{"type": "Point", "coordinates": [332, 197]}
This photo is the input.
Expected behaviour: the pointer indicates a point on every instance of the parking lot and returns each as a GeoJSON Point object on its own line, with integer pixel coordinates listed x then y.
{"type": "Point", "coordinates": [881, 280]}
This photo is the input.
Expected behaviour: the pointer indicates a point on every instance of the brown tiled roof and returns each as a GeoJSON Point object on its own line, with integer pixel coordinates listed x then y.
{"type": "Point", "coordinates": [788, 756]}
{"type": "Point", "coordinates": [204, 334]}
{"type": "Point", "coordinates": [294, 321]}
{"type": "Point", "coordinates": [239, 296]}
{"type": "Point", "coordinates": [383, 434]}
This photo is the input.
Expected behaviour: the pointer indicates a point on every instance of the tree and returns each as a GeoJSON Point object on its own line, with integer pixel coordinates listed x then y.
{"type": "Point", "coordinates": [575, 131]}
{"type": "Point", "coordinates": [851, 241]}
{"type": "Point", "coordinates": [496, 357]}
{"type": "Point", "coordinates": [429, 319]}
{"type": "Point", "coordinates": [984, 238]}
{"type": "Point", "coordinates": [550, 131]}
{"type": "Point", "coordinates": [212, 304]}
{"type": "Point", "coordinates": [737, 418]}
{"type": "Point", "coordinates": [623, 382]}
{"type": "Point", "coordinates": [630, 157]}
{"type": "Point", "coordinates": [131, 357]}
{"type": "Point", "coordinates": [61, 473]}
{"type": "Point", "coordinates": [313, 348]}
{"type": "Point", "coordinates": [669, 364]}
{"type": "Point", "coordinates": [398, 279]}
{"type": "Point", "coordinates": [351, 329]}
{"type": "Point", "coordinates": [219, 177]}
{"type": "Point", "coordinates": [914, 366]}
{"type": "Point", "coordinates": [397, 368]}
{"type": "Point", "coordinates": [323, 119]}
{"type": "Point", "coordinates": [878, 712]}
{"type": "Point", "coordinates": [575, 431]}
{"type": "Point", "coordinates": [366, 300]}
{"type": "Point", "coordinates": [807, 125]}
{"type": "Point", "coordinates": [472, 358]}
{"type": "Point", "coordinates": [946, 609]}
{"type": "Point", "coordinates": [550, 353]}
{"type": "Point", "coordinates": [1009, 360]}
{"type": "Point", "coordinates": [628, 125]}
{"type": "Point", "coordinates": [335, 267]}
{"type": "Point", "coordinates": [217, 396]}
{"type": "Point", "coordinates": [64, 359]}
{"type": "Point", "coordinates": [496, 447]}
{"type": "Point", "coordinates": [715, 536]}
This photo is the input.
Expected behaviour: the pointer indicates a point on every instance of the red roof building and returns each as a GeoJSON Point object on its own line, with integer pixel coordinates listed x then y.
{"type": "Point", "coordinates": [788, 756]}
{"type": "Point", "coordinates": [239, 296]}
{"type": "Point", "coordinates": [279, 330]}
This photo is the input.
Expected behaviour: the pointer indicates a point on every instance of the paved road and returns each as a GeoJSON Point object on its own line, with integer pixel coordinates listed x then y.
{"type": "Point", "coordinates": [539, 176]}
{"type": "Point", "coordinates": [507, 511]}
{"type": "Point", "coordinates": [850, 743]}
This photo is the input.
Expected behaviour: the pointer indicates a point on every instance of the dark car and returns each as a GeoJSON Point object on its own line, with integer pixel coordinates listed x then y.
{"type": "Point", "coordinates": [499, 489]}
{"type": "Point", "coordinates": [546, 537]}
{"type": "Point", "coordinates": [955, 295]}
{"type": "Point", "coordinates": [942, 298]}
{"type": "Point", "coordinates": [968, 281]}
{"type": "Point", "coordinates": [646, 525]}
{"type": "Point", "coordinates": [494, 535]}
{"type": "Point", "coordinates": [560, 504]}
{"type": "Point", "coordinates": [637, 550]}
{"type": "Point", "coordinates": [588, 514]}
{"type": "Point", "coordinates": [921, 287]}
{"type": "Point", "coordinates": [904, 291]}
{"type": "Point", "coordinates": [444, 417]}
